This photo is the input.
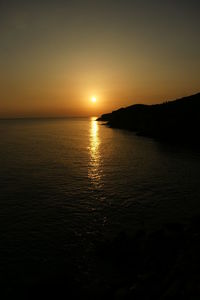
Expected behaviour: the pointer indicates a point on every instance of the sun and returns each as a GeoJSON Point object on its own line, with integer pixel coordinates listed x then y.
{"type": "Point", "coordinates": [93, 99]}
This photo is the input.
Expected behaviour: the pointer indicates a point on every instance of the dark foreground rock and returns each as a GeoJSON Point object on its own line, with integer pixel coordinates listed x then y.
{"type": "Point", "coordinates": [163, 264]}
{"type": "Point", "coordinates": [157, 264]}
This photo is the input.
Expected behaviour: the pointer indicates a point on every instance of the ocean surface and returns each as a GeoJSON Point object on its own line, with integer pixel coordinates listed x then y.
{"type": "Point", "coordinates": [67, 183]}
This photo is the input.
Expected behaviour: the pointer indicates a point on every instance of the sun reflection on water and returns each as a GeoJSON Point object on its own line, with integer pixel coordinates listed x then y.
{"type": "Point", "coordinates": [94, 171]}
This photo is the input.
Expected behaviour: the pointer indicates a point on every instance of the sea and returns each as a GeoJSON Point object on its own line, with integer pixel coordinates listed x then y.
{"type": "Point", "coordinates": [67, 184]}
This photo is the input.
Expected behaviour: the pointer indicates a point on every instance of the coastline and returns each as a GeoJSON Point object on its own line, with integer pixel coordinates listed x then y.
{"type": "Point", "coordinates": [173, 121]}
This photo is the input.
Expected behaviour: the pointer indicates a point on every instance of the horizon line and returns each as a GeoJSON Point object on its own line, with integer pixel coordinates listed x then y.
{"type": "Point", "coordinates": [50, 117]}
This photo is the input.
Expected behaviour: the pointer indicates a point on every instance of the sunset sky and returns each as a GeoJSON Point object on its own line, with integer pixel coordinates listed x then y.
{"type": "Point", "coordinates": [56, 55]}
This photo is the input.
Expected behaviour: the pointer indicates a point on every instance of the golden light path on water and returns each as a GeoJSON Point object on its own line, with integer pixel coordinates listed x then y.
{"type": "Point", "coordinates": [94, 171]}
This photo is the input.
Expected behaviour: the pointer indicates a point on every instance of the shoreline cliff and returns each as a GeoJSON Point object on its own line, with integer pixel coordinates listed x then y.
{"type": "Point", "coordinates": [176, 120]}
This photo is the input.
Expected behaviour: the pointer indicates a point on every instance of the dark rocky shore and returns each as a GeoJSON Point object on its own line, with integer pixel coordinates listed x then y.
{"type": "Point", "coordinates": [176, 120]}
{"type": "Point", "coordinates": [152, 264]}
{"type": "Point", "coordinates": [163, 264]}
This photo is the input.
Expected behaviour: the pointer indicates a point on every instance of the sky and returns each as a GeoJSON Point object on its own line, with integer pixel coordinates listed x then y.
{"type": "Point", "coordinates": [56, 55]}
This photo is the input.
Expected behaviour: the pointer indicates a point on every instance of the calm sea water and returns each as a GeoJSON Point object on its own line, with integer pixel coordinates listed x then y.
{"type": "Point", "coordinates": [66, 183]}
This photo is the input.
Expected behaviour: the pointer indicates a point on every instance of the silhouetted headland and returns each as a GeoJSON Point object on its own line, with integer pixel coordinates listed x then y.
{"type": "Point", "coordinates": [176, 120]}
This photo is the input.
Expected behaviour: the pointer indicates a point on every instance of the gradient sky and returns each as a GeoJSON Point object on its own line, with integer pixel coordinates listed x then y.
{"type": "Point", "coordinates": [55, 55]}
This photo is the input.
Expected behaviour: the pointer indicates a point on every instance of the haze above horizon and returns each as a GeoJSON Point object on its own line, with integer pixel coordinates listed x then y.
{"type": "Point", "coordinates": [56, 56]}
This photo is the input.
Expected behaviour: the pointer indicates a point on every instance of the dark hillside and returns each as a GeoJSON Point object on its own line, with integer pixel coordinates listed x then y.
{"type": "Point", "coordinates": [173, 120]}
